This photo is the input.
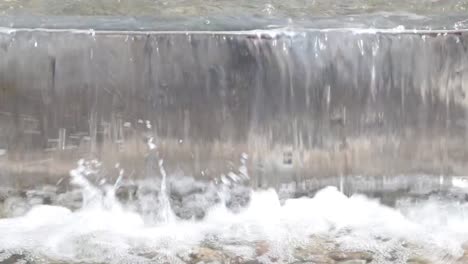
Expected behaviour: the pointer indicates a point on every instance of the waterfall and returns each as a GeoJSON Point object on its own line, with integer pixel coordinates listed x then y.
{"type": "Point", "coordinates": [303, 104]}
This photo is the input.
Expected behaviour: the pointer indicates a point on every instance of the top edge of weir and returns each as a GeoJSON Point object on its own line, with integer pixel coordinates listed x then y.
{"type": "Point", "coordinates": [279, 32]}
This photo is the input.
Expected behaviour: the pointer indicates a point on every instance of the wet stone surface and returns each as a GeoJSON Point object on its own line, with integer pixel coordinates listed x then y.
{"type": "Point", "coordinates": [322, 251]}
{"type": "Point", "coordinates": [308, 255]}
{"type": "Point", "coordinates": [341, 256]}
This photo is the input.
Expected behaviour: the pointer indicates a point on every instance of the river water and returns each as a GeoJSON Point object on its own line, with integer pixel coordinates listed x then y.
{"type": "Point", "coordinates": [233, 132]}
{"type": "Point", "coordinates": [233, 15]}
{"type": "Point", "coordinates": [182, 220]}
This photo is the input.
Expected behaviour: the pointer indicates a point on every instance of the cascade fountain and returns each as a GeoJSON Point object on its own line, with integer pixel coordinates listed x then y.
{"type": "Point", "coordinates": [335, 134]}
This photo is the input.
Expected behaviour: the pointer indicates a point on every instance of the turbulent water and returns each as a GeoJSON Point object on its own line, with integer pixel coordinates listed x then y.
{"type": "Point", "coordinates": [224, 221]}
{"type": "Point", "coordinates": [168, 218]}
{"type": "Point", "coordinates": [312, 100]}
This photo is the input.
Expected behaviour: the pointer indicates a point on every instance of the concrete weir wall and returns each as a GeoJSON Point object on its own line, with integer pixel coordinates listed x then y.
{"type": "Point", "coordinates": [301, 105]}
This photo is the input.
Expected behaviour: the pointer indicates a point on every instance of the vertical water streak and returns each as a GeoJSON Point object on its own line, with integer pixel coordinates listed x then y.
{"type": "Point", "coordinates": [166, 215]}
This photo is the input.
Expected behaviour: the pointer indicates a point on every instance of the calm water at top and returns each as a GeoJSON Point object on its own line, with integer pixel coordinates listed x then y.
{"type": "Point", "coordinates": [233, 15]}
{"type": "Point", "coordinates": [293, 8]}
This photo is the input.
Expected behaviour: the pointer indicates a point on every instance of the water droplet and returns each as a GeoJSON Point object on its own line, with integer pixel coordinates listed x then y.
{"type": "Point", "coordinates": [269, 9]}
{"type": "Point", "coordinates": [399, 28]}
{"type": "Point", "coordinates": [151, 144]}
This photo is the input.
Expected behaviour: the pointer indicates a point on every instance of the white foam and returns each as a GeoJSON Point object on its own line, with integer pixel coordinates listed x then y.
{"type": "Point", "coordinates": [105, 229]}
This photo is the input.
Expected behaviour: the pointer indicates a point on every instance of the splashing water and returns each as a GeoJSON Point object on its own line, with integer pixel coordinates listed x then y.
{"type": "Point", "coordinates": [330, 226]}
{"type": "Point", "coordinates": [166, 214]}
{"type": "Point", "coordinates": [180, 220]}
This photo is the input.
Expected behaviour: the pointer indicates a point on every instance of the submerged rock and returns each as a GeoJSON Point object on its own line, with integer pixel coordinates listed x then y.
{"type": "Point", "coordinates": [15, 206]}
{"type": "Point", "coordinates": [317, 259]}
{"type": "Point", "coordinates": [342, 256]}
{"type": "Point", "coordinates": [262, 248]}
{"type": "Point", "coordinates": [417, 260]}
{"type": "Point", "coordinates": [354, 261]}
{"type": "Point", "coordinates": [206, 255]}
{"type": "Point", "coordinates": [14, 258]}
{"type": "Point", "coordinates": [243, 260]}
{"type": "Point", "coordinates": [193, 205]}
{"type": "Point", "coordinates": [72, 199]}
{"type": "Point", "coordinates": [464, 259]}
{"type": "Point", "coordinates": [312, 254]}
{"type": "Point", "coordinates": [316, 250]}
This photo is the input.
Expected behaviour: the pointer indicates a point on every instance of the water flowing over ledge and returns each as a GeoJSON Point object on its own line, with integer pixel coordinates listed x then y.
{"type": "Point", "coordinates": [276, 139]}
{"type": "Point", "coordinates": [301, 105]}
